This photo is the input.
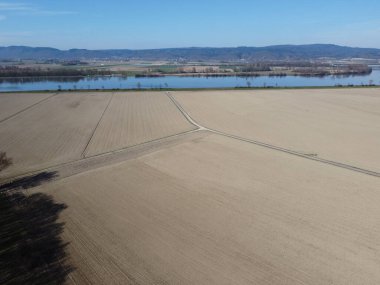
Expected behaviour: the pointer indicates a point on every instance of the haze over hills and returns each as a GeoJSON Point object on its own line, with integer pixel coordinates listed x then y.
{"type": "Point", "coordinates": [279, 52]}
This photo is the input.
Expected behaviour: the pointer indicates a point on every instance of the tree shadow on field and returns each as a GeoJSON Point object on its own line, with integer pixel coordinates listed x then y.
{"type": "Point", "coordinates": [29, 181]}
{"type": "Point", "coordinates": [31, 249]}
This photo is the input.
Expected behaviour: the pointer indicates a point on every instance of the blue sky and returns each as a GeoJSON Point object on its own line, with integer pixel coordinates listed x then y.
{"type": "Point", "coordinates": [99, 24]}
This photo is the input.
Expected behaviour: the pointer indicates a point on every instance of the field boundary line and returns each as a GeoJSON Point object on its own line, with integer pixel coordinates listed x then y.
{"type": "Point", "coordinates": [28, 108]}
{"type": "Point", "coordinates": [83, 155]}
{"type": "Point", "coordinates": [142, 144]}
{"type": "Point", "coordinates": [127, 150]}
{"type": "Point", "coordinates": [273, 147]}
{"type": "Point", "coordinates": [185, 114]}
{"type": "Point", "coordinates": [288, 151]}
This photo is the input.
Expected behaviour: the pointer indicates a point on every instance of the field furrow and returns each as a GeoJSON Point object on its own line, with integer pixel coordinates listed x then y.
{"type": "Point", "coordinates": [339, 125]}
{"type": "Point", "coordinates": [11, 103]}
{"type": "Point", "coordinates": [53, 132]}
{"type": "Point", "coordinates": [214, 210]}
{"type": "Point", "coordinates": [135, 118]}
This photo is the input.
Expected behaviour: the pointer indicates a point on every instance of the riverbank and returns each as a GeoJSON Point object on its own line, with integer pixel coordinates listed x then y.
{"type": "Point", "coordinates": [201, 89]}
{"type": "Point", "coordinates": [317, 74]}
{"type": "Point", "coordinates": [183, 83]}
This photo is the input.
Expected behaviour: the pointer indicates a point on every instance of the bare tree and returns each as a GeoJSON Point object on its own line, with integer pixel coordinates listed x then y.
{"type": "Point", "coordinates": [4, 161]}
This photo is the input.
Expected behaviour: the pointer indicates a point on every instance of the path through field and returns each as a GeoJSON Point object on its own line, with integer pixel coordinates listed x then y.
{"type": "Point", "coordinates": [243, 187]}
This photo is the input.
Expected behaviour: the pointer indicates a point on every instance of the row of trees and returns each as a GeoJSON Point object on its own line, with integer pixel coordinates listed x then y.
{"type": "Point", "coordinates": [15, 71]}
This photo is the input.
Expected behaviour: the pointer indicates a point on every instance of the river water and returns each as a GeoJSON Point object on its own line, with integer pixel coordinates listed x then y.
{"type": "Point", "coordinates": [115, 82]}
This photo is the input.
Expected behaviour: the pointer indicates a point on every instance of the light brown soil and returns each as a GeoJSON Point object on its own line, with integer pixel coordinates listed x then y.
{"type": "Point", "coordinates": [51, 133]}
{"type": "Point", "coordinates": [220, 211]}
{"type": "Point", "coordinates": [134, 118]}
{"type": "Point", "coordinates": [68, 126]}
{"type": "Point", "coordinates": [11, 104]}
{"type": "Point", "coordinates": [341, 125]}
{"type": "Point", "coordinates": [204, 208]}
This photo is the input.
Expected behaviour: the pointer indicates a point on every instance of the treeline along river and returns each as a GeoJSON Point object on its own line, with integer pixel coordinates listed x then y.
{"type": "Point", "coordinates": [117, 82]}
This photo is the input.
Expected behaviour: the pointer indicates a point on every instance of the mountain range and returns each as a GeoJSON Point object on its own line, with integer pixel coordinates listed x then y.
{"type": "Point", "coordinates": [278, 52]}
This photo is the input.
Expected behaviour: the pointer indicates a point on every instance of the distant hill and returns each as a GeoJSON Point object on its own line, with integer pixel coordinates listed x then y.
{"type": "Point", "coordinates": [280, 52]}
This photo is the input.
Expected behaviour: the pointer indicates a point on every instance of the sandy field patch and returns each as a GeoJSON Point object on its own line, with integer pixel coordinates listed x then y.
{"type": "Point", "coordinates": [214, 210]}
{"type": "Point", "coordinates": [53, 132]}
{"type": "Point", "coordinates": [337, 124]}
{"type": "Point", "coordinates": [11, 103]}
{"type": "Point", "coordinates": [136, 117]}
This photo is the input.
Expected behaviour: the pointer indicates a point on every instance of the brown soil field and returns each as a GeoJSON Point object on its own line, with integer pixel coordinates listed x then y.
{"type": "Point", "coordinates": [152, 200]}
{"type": "Point", "coordinates": [135, 118]}
{"type": "Point", "coordinates": [339, 124]}
{"type": "Point", "coordinates": [12, 104]}
{"type": "Point", "coordinates": [64, 127]}
{"type": "Point", "coordinates": [53, 132]}
{"type": "Point", "coordinates": [214, 210]}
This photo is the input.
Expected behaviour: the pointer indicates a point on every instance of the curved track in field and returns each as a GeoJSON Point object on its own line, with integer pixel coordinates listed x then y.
{"type": "Point", "coordinates": [273, 147]}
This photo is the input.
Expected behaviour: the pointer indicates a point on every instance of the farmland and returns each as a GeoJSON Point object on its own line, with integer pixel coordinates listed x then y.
{"type": "Point", "coordinates": [340, 125]}
{"type": "Point", "coordinates": [207, 187]}
{"type": "Point", "coordinates": [133, 119]}
{"type": "Point", "coordinates": [69, 126]}
{"type": "Point", "coordinates": [53, 132]}
{"type": "Point", "coordinates": [11, 105]}
{"type": "Point", "coordinates": [225, 212]}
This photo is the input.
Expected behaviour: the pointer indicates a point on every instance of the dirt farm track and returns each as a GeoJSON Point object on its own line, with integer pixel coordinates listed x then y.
{"type": "Point", "coordinates": [206, 187]}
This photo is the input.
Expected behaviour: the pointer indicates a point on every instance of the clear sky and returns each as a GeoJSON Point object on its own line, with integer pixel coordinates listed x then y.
{"type": "Point", "coordinates": [99, 24]}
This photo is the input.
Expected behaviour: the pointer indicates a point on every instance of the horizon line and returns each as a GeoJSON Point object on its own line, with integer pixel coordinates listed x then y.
{"type": "Point", "coordinates": [192, 47]}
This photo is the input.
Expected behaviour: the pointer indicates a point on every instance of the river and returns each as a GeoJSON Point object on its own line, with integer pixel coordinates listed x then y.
{"type": "Point", "coordinates": [116, 82]}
